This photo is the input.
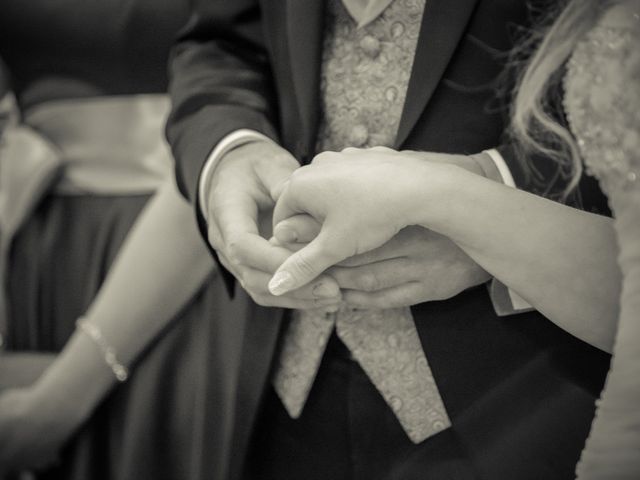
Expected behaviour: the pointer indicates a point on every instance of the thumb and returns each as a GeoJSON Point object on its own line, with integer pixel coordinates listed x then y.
{"type": "Point", "coordinates": [307, 264]}
{"type": "Point", "coordinates": [301, 228]}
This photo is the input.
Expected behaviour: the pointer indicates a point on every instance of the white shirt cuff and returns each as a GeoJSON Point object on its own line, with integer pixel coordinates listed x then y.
{"type": "Point", "coordinates": [517, 303]}
{"type": "Point", "coordinates": [502, 167]}
{"type": "Point", "coordinates": [505, 301]}
{"type": "Point", "coordinates": [224, 146]}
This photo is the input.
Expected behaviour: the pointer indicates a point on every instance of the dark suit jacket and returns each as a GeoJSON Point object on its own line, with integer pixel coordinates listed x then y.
{"type": "Point", "coordinates": [519, 390]}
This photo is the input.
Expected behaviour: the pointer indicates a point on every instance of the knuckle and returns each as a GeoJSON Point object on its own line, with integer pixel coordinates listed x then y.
{"type": "Point", "coordinates": [240, 277]}
{"type": "Point", "coordinates": [234, 252]}
{"type": "Point", "coordinates": [323, 156]}
{"type": "Point", "coordinates": [340, 276]}
{"type": "Point", "coordinates": [406, 300]}
{"type": "Point", "coordinates": [225, 263]}
{"type": "Point", "coordinates": [298, 172]}
{"type": "Point", "coordinates": [249, 284]}
{"type": "Point", "coordinates": [358, 298]}
{"type": "Point", "coordinates": [350, 150]}
{"type": "Point", "coordinates": [369, 282]}
{"type": "Point", "coordinates": [260, 299]}
{"type": "Point", "coordinates": [294, 180]}
{"type": "Point", "coordinates": [381, 149]}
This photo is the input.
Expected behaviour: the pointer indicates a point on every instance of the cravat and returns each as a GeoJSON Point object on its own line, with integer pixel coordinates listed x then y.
{"type": "Point", "coordinates": [364, 12]}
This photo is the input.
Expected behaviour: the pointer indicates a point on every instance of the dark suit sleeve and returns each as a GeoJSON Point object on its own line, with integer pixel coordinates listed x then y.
{"type": "Point", "coordinates": [543, 176]}
{"type": "Point", "coordinates": [4, 79]}
{"type": "Point", "coordinates": [220, 81]}
{"type": "Point", "coordinates": [535, 173]}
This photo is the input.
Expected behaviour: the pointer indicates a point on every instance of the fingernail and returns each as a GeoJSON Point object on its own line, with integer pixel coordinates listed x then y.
{"type": "Point", "coordinates": [286, 235]}
{"type": "Point", "coordinates": [281, 283]}
{"type": "Point", "coordinates": [323, 290]}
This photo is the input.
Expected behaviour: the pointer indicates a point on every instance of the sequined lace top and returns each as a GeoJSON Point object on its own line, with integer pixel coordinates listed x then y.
{"type": "Point", "coordinates": [602, 102]}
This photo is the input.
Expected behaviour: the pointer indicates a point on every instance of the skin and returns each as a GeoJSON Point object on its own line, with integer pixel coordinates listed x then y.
{"type": "Point", "coordinates": [539, 248]}
{"type": "Point", "coordinates": [244, 189]}
{"type": "Point", "coordinates": [161, 264]}
{"type": "Point", "coordinates": [240, 202]}
{"type": "Point", "coordinates": [416, 265]}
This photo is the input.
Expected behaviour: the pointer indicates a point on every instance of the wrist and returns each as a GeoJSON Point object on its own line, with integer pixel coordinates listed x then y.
{"type": "Point", "coordinates": [434, 189]}
{"type": "Point", "coordinates": [488, 167]}
{"type": "Point", "coordinates": [231, 142]}
{"type": "Point", "coordinates": [75, 383]}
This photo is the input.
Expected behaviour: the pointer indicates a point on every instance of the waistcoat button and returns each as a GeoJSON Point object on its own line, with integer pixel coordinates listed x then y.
{"type": "Point", "coordinates": [358, 136]}
{"type": "Point", "coordinates": [370, 45]}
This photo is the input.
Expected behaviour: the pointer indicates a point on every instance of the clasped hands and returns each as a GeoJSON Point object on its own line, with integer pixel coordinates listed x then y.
{"type": "Point", "coordinates": [346, 229]}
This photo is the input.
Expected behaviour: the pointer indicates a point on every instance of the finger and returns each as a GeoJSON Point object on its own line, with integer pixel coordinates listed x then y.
{"type": "Point", "coordinates": [213, 235]}
{"type": "Point", "coordinates": [278, 188]}
{"type": "Point", "coordinates": [256, 252]}
{"type": "Point", "coordinates": [328, 305]}
{"type": "Point", "coordinates": [292, 247]}
{"type": "Point", "coordinates": [230, 267]}
{"type": "Point", "coordinates": [405, 243]}
{"type": "Point", "coordinates": [328, 248]}
{"type": "Point", "coordinates": [288, 205]}
{"type": "Point", "coordinates": [395, 297]}
{"type": "Point", "coordinates": [350, 150]}
{"type": "Point", "coordinates": [277, 171]}
{"type": "Point", "coordinates": [297, 229]}
{"type": "Point", "coordinates": [323, 293]}
{"type": "Point", "coordinates": [392, 249]}
{"type": "Point", "coordinates": [376, 276]}
{"type": "Point", "coordinates": [235, 216]}
{"type": "Point", "coordinates": [322, 287]}
{"type": "Point", "coordinates": [326, 157]}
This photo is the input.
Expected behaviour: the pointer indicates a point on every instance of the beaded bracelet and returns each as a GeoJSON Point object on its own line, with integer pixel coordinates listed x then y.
{"type": "Point", "coordinates": [120, 371]}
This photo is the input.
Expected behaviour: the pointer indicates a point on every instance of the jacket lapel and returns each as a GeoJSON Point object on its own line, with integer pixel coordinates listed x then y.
{"type": "Point", "coordinates": [305, 26]}
{"type": "Point", "coordinates": [443, 23]}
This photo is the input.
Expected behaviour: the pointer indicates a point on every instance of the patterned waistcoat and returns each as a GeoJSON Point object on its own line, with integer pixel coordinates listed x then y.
{"type": "Point", "coordinates": [365, 75]}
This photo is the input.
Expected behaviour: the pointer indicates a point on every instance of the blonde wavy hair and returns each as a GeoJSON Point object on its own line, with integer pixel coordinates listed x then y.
{"type": "Point", "coordinates": [536, 121]}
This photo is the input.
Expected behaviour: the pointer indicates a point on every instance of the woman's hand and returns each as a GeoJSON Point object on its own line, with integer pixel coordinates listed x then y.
{"type": "Point", "coordinates": [417, 265]}
{"type": "Point", "coordinates": [362, 198]}
{"type": "Point", "coordinates": [32, 430]}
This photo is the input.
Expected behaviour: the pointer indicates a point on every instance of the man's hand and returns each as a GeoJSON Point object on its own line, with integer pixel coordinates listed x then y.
{"type": "Point", "coordinates": [242, 194]}
{"type": "Point", "coordinates": [363, 198]}
{"type": "Point", "coordinates": [415, 266]}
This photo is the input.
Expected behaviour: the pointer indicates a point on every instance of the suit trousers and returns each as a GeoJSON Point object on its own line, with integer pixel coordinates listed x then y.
{"type": "Point", "coordinates": [346, 432]}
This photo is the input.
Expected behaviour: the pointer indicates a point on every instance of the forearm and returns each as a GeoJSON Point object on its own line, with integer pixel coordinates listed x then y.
{"type": "Point", "coordinates": [561, 260]}
{"type": "Point", "coordinates": [160, 266]}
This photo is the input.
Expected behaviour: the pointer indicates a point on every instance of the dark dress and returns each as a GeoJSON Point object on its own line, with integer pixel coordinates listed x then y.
{"type": "Point", "coordinates": [152, 426]}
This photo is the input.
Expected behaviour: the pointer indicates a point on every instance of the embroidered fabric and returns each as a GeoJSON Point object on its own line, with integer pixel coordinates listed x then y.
{"type": "Point", "coordinates": [602, 103]}
{"type": "Point", "coordinates": [365, 75]}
